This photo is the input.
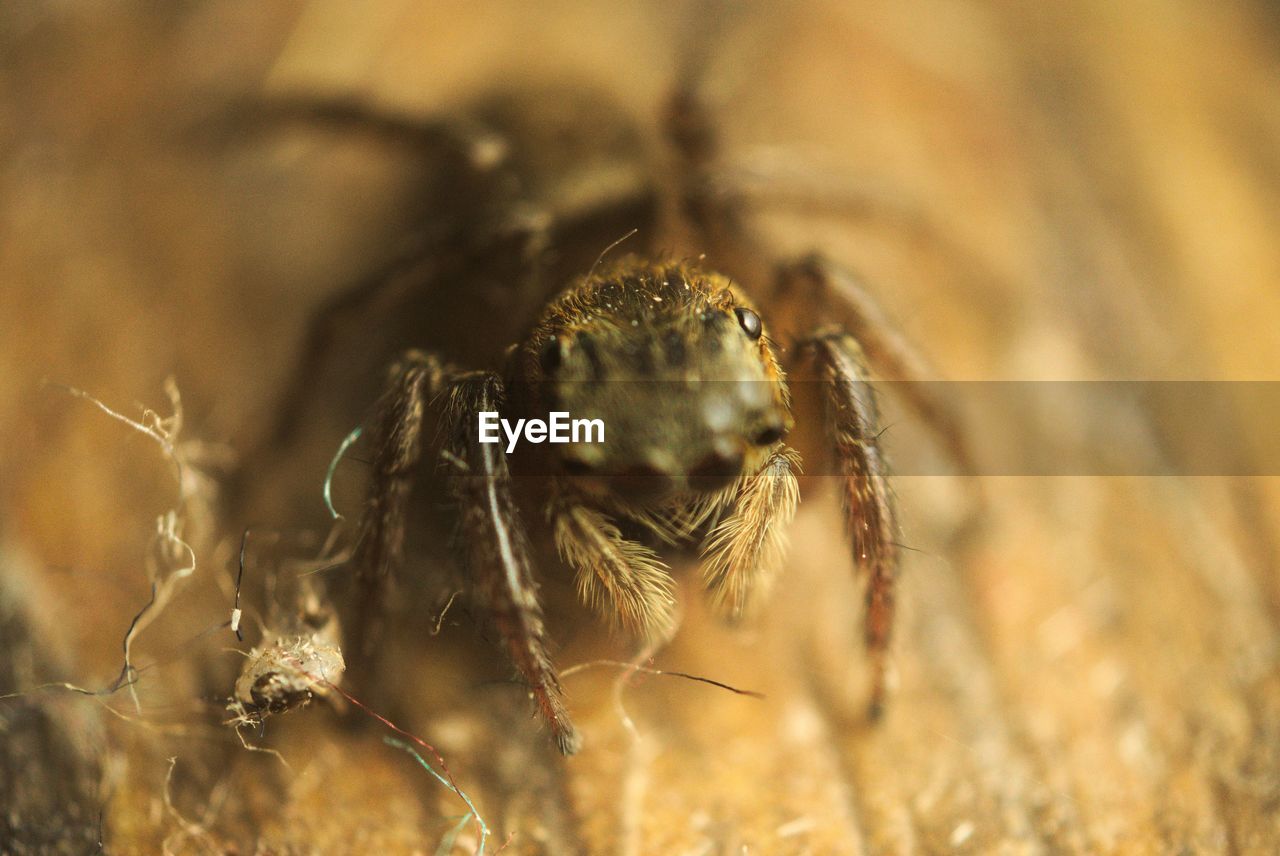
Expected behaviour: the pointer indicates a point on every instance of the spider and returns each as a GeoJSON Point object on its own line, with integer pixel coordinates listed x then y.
{"type": "Point", "coordinates": [682, 360]}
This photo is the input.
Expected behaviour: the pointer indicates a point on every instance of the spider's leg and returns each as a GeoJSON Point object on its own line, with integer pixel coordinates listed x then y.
{"type": "Point", "coordinates": [811, 287]}
{"type": "Point", "coordinates": [623, 580]}
{"type": "Point", "coordinates": [462, 157]}
{"type": "Point", "coordinates": [493, 216]}
{"type": "Point", "coordinates": [852, 421]}
{"type": "Point", "coordinates": [719, 192]}
{"type": "Point", "coordinates": [815, 285]}
{"type": "Point", "coordinates": [424, 269]}
{"type": "Point", "coordinates": [463, 143]}
{"type": "Point", "coordinates": [714, 215]}
{"type": "Point", "coordinates": [496, 548]}
{"type": "Point", "coordinates": [386, 286]}
{"type": "Point", "coordinates": [397, 450]}
{"type": "Point", "coordinates": [742, 553]}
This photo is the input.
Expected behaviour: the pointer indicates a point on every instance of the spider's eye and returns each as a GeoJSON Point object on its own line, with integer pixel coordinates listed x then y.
{"type": "Point", "coordinates": [749, 321]}
{"type": "Point", "coordinates": [769, 434]}
{"type": "Point", "coordinates": [550, 356]}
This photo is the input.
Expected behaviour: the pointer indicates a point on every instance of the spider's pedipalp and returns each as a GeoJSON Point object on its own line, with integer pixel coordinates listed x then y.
{"type": "Point", "coordinates": [624, 580]}
{"type": "Point", "coordinates": [743, 552]}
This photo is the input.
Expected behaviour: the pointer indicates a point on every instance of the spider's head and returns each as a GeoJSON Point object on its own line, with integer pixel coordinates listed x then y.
{"type": "Point", "coordinates": [676, 364]}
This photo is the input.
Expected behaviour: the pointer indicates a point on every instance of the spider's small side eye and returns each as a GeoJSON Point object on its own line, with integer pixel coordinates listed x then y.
{"type": "Point", "coordinates": [749, 321]}
{"type": "Point", "coordinates": [551, 355]}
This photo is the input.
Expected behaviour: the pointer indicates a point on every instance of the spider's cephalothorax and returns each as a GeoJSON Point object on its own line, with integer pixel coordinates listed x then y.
{"type": "Point", "coordinates": [684, 373]}
{"type": "Point", "coordinates": [675, 362]}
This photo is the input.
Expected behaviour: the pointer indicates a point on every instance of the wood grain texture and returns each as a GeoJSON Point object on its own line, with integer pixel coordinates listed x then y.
{"type": "Point", "coordinates": [1087, 190]}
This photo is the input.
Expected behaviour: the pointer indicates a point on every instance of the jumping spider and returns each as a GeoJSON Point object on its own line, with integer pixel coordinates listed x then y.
{"type": "Point", "coordinates": [682, 365]}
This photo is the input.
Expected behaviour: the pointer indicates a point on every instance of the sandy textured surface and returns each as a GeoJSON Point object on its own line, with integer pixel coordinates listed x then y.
{"type": "Point", "coordinates": [1087, 190]}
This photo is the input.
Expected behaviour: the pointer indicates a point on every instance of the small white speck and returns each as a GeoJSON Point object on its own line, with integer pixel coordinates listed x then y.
{"type": "Point", "coordinates": [635, 323]}
{"type": "Point", "coordinates": [962, 833]}
{"type": "Point", "coordinates": [657, 299]}
{"type": "Point", "coordinates": [799, 826]}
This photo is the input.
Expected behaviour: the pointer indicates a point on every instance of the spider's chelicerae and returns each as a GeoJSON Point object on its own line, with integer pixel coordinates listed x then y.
{"type": "Point", "coordinates": [682, 362]}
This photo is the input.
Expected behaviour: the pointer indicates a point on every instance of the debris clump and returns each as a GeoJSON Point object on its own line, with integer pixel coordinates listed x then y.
{"type": "Point", "coordinates": [285, 674]}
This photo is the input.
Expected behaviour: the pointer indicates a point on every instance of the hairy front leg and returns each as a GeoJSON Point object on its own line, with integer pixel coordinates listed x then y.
{"type": "Point", "coordinates": [496, 549]}
{"type": "Point", "coordinates": [814, 284]}
{"type": "Point", "coordinates": [852, 421]}
{"type": "Point", "coordinates": [742, 554]}
{"type": "Point", "coordinates": [397, 450]}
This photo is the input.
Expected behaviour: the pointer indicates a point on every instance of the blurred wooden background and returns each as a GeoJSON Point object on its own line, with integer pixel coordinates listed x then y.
{"type": "Point", "coordinates": [1093, 191]}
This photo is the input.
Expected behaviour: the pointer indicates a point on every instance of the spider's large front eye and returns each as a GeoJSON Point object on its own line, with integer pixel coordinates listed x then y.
{"type": "Point", "coordinates": [749, 321]}
{"type": "Point", "coordinates": [770, 434]}
{"type": "Point", "coordinates": [551, 355]}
